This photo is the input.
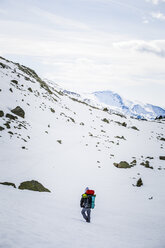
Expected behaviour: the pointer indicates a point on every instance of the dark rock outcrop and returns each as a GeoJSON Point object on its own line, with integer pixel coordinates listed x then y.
{"type": "Point", "coordinates": [135, 128]}
{"type": "Point", "coordinates": [105, 120]}
{"type": "Point", "coordinates": [133, 162]}
{"type": "Point", "coordinates": [139, 182]}
{"type": "Point", "coordinates": [1, 113]}
{"type": "Point", "coordinates": [8, 184]}
{"type": "Point", "coordinates": [122, 164]}
{"type": "Point", "coordinates": [14, 81]}
{"type": "Point", "coordinates": [146, 164]}
{"type": "Point", "coordinates": [33, 185]}
{"type": "Point", "coordinates": [1, 128]}
{"type": "Point", "coordinates": [18, 111]}
{"type": "Point", "coordinates": [162, 157]}
{"type": "Point", "coordinates": [12, 117]}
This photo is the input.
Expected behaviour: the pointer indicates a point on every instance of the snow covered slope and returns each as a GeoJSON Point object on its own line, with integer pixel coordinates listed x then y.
{"type": "Point", "coordinates": [67, 144]}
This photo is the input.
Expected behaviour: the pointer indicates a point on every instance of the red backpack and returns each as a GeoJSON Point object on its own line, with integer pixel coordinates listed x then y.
{"type": "Point", "coordinates": [90, 192]}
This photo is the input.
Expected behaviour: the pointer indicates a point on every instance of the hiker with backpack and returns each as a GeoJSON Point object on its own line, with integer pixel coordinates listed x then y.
{"type": "Point", "coordinates": [87, 202]}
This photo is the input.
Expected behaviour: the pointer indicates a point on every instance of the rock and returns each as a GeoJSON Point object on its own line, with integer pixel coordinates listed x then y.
{"type": "Point", "coordinates": [10, 132]}
{"type": "Point", "coordinates": [105, 109]}
{"type": "Point", "coordinates": [123, 164]}
{"type": "Point", "coordinates": [133, 162]}
{"type": "Point", "coordinates": [139, 182]}
{"type": "Point", "coordinates": [135, 128]}
{"type": "Point", "coordinates": [162, 157]}
{"type": "Point", "coordinates": [18, 111]}
{"type": "Point", "coordinates": [124, 124]}
{"type": "Point", "coordinates": [7, 124]}
{"type": "Point", "coordinates": [14, 81]}
{"type": "Point", "coordinates": [150, 157]}
{"type": "Point", "coordinates": [30, 89]}
{"type": "Point", "coordinates": [33, 185]}
{"type": "Point", "coordinates": [3, 66]}
{"type": "Point", "coordinates": [1, 113]}
{"type": "Point", "coordinates": [1, 128]}
{"type": "Point", "coordinates": [52, 110]}
{"type": "Point", "coordinates": [146, 164]}
{"type": "Point", "coordinates": [120, 137]}
{"type": "Point", "coordinates": [12, 117]}
{"type": "Point", "coordinates": [105, 120]}
{"type": "Point", "coordinates": [9, 184]}
{"type": "Point", "coordinates": [27, 78]}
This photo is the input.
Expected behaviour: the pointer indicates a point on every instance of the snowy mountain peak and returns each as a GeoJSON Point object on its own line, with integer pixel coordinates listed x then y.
{"type": "Point", "coordinates": [117, 103]}
{"type": "Point", "coordinates": [134, 109]}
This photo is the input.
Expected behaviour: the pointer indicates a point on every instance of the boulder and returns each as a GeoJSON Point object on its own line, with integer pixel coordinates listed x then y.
{"type": "Point", "coordinates": [1, 113]}
{"type": "Point", "coordinates": [105, 109]}
{"type": "Point", "coordinates": [14, 81]}
{"type": "Point", "coordinates": [162, 157]}
{"type": "Point", "coordinates": [8, 184]}
{"type": "Point", "coordinates": [105, 120]}
{"type": "Point", "coordinates": [139, 182]}
{"type": "Point", "coordinates": [52, 110]}
{"type": "Point", "coordinates": [33, 185]}
{"type": "Point", "coordinates": [1, 128]}
{"type": "Point", "coordinates": [146, 164]}
{"type": "Point", "coordinates": [122, 164]}
{"type": "Point", "coordinates": [124, 124]}
{"type": "Point", "coordinates": [12, 117]}
{"type": "Point", "coordinates": [133, 162]}
{"type": "Point", "coordinates": [135, 128]}
{"type": "Point", "coordinates": [18, 111]}
{"type": "Point", "coordinates": [30, 89]}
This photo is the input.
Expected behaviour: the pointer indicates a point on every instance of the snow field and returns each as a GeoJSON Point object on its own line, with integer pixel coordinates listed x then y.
{"type": "Point", "coordinates": [123, 217]}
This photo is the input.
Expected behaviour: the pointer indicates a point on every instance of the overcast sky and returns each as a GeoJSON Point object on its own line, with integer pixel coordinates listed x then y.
{"type": "Point", "coordinates": [89, 45]}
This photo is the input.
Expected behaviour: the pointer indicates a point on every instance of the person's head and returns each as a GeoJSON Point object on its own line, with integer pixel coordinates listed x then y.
{"type": "Point", "coordinates": [86, 189]}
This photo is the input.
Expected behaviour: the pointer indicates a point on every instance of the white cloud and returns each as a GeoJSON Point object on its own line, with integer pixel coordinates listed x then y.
{"type": "Point", "coordinates": [158, 15]}
{"type": "Point", "coordinates": [155, 1]}
{"type": "Point", "coordinates": [71, 53]}
{"type": "Point", "coordinates": [156, 47]}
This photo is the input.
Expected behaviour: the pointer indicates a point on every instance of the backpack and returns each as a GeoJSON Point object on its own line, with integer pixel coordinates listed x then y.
{"type": "Point", "coordinates": [93, 201]}
{"type": "Point", "coordinates": [90, 194]}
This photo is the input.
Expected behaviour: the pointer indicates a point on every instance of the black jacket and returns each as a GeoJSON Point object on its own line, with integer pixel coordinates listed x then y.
{"type": "Point", "coordinates": [86, 202]}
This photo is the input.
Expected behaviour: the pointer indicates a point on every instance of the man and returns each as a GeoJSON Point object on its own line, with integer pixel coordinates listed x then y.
{"type": "Point", "coordinates": [86, 204]}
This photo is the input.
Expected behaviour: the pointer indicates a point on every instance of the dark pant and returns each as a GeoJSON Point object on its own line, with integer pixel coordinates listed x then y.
{"type": "Point", "coordinates": [86, 212]}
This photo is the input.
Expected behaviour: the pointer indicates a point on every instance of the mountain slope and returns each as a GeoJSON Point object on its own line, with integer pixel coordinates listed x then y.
{"type": "Point", "coordinates": [116, 103]}
{"type": "Point", "coordinates": [138, 110]}
{"type": "Point", "coordinates": [66, 144]}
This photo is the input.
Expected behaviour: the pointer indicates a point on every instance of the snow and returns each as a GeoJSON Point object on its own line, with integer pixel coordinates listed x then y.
{"type": "Point", "coordinates": [117, 103]}
{"type": "Point", "coordinates": [123, 217]}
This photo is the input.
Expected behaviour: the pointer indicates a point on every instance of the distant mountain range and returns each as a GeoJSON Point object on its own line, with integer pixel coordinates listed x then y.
{"type": "Point", "coordinates": [115, 102]}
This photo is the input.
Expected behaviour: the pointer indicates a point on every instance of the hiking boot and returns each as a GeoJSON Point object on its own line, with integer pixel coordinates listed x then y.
{"type": "Point", "coordinates": [87, 220]}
